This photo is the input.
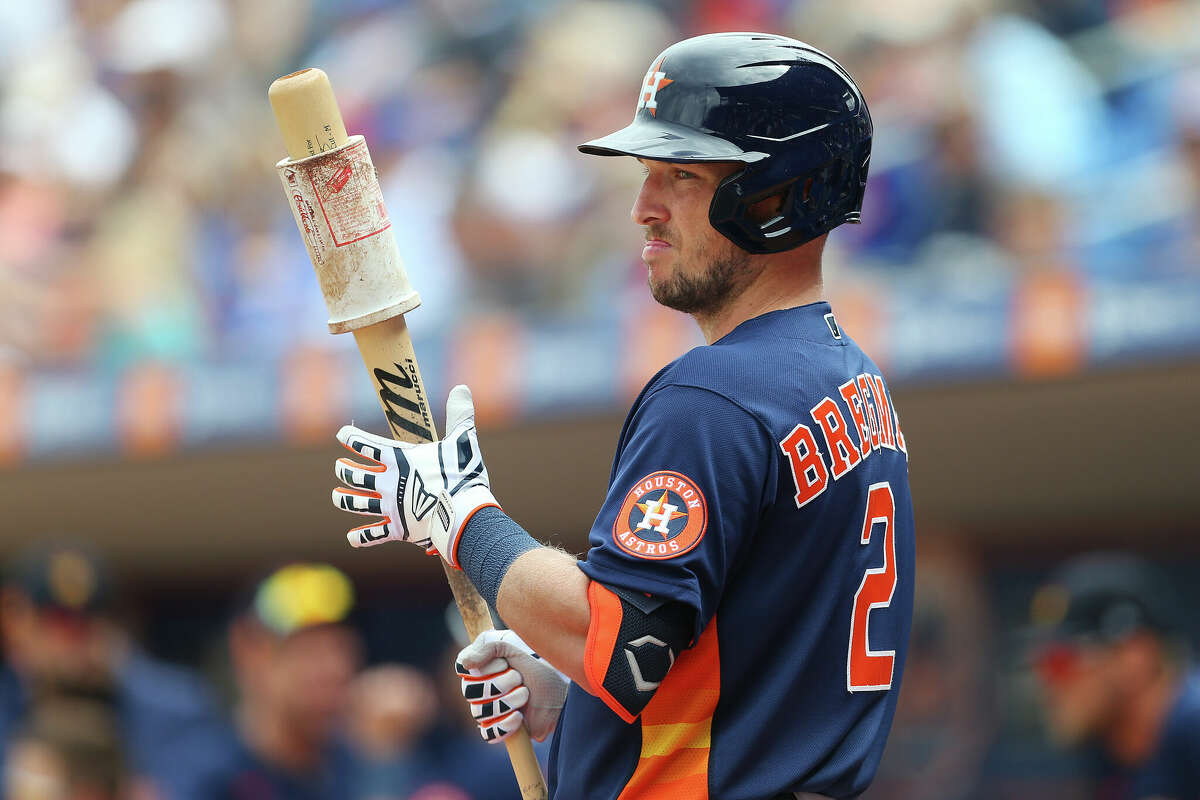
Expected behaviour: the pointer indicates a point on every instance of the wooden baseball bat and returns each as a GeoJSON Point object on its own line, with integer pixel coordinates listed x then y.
{"type": "Point", "coordinates": [336, 201]}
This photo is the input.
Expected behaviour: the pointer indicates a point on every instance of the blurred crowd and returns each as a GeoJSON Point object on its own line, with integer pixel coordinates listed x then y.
{"type": "Point", "coordinates": [1068, 680]}
{"type": "Point", "coordinates": [87, 714]}
{"type": "Point", "coordinates": [142, 218]}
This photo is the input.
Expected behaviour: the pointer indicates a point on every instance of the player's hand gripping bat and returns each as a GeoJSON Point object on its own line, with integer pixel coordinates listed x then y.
{"type": "Point", "coordinates": [334, 194]}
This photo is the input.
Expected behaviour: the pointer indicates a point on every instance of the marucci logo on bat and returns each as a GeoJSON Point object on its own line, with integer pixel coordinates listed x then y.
{"type": "Point", "coordinates": [391, 387]}
{"type": "Point", "coordinates": [663, 516]}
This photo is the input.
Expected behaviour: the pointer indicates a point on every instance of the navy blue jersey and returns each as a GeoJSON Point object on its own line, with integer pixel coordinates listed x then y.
{"type": "Point", "coordinates": [762, 483]}
{"type": "Point", "coordinates": [1173, 771]}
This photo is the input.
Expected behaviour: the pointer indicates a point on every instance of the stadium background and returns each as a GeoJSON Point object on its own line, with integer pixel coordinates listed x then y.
{"type": "Point", "coordinates": [1028, 275]}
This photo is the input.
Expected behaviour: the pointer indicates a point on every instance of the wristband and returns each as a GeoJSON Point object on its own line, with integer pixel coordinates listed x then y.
{"type": "Point", "coordinates": [490, 542]}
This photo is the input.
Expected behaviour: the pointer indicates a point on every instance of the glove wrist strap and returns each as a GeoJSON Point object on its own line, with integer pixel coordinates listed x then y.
{"type": "Point", "coordinates": [466, 504]}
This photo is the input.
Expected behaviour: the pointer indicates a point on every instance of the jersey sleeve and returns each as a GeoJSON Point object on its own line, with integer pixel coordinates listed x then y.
{"type": "Point", "coordinates": [692, 479]}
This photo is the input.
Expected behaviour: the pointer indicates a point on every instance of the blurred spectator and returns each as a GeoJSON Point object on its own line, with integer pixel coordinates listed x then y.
{"type": "Point", "coordinates": [294, 659]}
{"type": "Point", "coordinates": [69, 749]}
{"type": "Point", "coordinates": [1042, 123]}
{"type": "Point", "coordinates": [391, 708]}
{"type": "Point", "coordinates": [1031, 225]}
{"type": "Point", "coordinates": [1113, 669]}
{"type": "Point", "coordinates": [311, 726]}
{"type": "Point", "coordinates": [58, 637]}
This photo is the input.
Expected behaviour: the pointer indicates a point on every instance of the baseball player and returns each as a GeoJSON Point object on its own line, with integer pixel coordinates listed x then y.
{"type": "Point", "coordinates": [1113, 668]}
{"type": "Point", "coordinates": [739, 625]}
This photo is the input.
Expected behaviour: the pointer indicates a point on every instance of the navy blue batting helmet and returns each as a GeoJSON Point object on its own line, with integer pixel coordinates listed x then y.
{"type": "Point", "coordinates": [787, 111]}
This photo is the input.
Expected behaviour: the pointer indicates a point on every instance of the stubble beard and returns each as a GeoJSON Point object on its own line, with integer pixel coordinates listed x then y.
{"type": "Point", "coordinates": [727, 276]}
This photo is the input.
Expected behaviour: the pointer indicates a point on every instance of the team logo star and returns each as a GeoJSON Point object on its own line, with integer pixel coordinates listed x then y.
{"type": "Point", "coordinates": [654, 507]}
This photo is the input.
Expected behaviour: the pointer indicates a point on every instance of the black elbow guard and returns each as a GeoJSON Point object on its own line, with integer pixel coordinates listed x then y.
{"type": "Point", "coordinates": [633, 640]}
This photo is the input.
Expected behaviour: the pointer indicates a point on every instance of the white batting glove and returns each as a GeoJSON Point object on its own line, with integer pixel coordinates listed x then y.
{"type": "Point", "coordinates": [506, 683]}
{"type": "Point", "coordinates": [424, 492]}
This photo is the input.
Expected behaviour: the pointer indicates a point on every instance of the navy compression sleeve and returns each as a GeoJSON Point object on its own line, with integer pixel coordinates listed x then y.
{"type": "Point", "coordinates": [490, 543]}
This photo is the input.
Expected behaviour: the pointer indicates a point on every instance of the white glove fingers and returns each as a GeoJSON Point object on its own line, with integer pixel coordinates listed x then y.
{"type": "Point", "coordinates": [359, 476]}
{"type": "Point", "coordinates": [358, 501]}
{"type": "Point", "coordinates": [367, 445]}
{"type": "Point", "coordinates": [486, 712]}
{"type": "Point", "coordinates": [369, 535]}
{"type": "Point", "coordinates": [492, 686]}
{"type": "Point", "coordinates": [486, 655]}
{"type": "Point", "coordinates": [470, 663]}
{"type": "Point", "coordinates": [502, 728]}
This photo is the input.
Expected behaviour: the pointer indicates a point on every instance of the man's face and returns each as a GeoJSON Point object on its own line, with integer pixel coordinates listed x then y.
{"type": "Point", "coordinates": [309, 678]}
{"type": "Point", "coordinates": [54, 645]}
{"type": "Point", "coordinates": [690, 266]}
{"type": "Point", "coordinates": [1078, 690]}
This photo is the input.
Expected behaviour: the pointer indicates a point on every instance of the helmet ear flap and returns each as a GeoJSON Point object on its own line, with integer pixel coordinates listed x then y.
{"type": "Point", "coordinates": [863, 160]}
{"type": "Point", "coordinates": [826, 194]}
{"type": "Point", "coordinates": [731, 211]}
{"type": "Point", "coordinates": [814, 202]}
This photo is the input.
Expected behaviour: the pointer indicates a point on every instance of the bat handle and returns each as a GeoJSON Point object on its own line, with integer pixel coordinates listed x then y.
{"type": "Point", "coordinates": [525, 765]}
{"type": "Point", "coordinates": [387, 346]}
{"type": "Point", "coordinates": [475, 614]}
{"type": "Point", "coordinates": [477, 619]}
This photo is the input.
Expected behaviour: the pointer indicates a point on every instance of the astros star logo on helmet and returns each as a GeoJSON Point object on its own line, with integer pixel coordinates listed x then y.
{"type": "Point", "coordinates": [656, 79]}
{"type": "Point", "coordinates": [664, 515]}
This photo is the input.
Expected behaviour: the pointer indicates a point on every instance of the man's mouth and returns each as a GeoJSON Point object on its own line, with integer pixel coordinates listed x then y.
{"type": "Point", "coordinates": [654, 247]}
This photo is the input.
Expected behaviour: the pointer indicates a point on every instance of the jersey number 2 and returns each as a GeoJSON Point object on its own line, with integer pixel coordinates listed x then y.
{"type": "Point", "coordinates": [868, 670]}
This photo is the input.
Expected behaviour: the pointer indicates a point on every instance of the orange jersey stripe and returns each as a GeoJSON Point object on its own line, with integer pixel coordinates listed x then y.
{"type": "Point", "coordinates": [692, 787]}
{"type": "Point", "coordinates": [677, 727]}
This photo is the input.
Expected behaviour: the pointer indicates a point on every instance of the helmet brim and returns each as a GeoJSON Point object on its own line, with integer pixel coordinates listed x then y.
{"type": "Point", "coordinates": [667, 141]}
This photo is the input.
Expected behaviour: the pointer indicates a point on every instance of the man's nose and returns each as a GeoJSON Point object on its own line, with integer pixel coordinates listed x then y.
{"type": "Point", "coordinates": [648, 207]}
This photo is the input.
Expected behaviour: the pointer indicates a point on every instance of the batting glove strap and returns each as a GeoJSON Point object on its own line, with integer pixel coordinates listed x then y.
{"type": "Point", "coordinates": [465, 505]}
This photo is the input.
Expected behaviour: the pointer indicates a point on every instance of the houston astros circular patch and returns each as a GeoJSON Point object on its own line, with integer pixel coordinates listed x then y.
{"type": "Point", "coordinates": [663, 516]}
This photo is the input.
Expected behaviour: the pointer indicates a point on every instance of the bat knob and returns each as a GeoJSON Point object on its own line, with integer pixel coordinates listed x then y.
{"type": "Point", "coordinates": [307, 113]}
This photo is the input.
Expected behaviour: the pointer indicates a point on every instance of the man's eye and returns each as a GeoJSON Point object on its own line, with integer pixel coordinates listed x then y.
{"type": "Point", "coordinates": [683, 174]}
